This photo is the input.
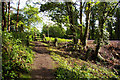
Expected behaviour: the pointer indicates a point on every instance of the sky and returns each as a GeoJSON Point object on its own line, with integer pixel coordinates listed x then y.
{"type": "Point", "coordinates": [46, 19]}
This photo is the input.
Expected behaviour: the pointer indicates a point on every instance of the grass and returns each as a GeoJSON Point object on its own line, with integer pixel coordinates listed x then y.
{"type": "Point", "coordinates": [45, 44]}
{"type": "Point", "coordinates": [71, 68]}
{"type": "Point", "coordinates": [77, 69]}
{"type": "Point", "coordinates": [26, 76]}
{"type": "Point", "coordinates": [59, 39]}
{"type": "Point", "coordinates": [52, 39]}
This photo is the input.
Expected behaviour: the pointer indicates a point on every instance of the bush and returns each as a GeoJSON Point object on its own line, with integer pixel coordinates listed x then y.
{"type": "Point", "coordinates": [15, 56]}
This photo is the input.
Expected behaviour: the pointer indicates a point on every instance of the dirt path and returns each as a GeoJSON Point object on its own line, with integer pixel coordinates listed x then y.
{"type": "Point", "coordinates": [42, 67]}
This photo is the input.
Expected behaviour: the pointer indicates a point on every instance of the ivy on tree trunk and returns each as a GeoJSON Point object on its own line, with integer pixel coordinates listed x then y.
{"type": "Point", "coordinates": [81, 30]}
{"type": "Point", "coordinates": [86, 35]}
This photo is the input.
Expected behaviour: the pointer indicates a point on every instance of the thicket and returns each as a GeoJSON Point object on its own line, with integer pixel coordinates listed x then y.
{"type": "Point", "coordinates": [16, 56]}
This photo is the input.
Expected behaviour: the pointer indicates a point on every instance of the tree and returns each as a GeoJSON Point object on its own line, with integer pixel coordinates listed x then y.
{"type": "Point", "coordinates": [17, 16]}
{"type": "Point", "coordinates": [72, 21]}
{"type": "Point", "coordinates": [103, 14]}
{"type": "Point", "coordinates": [28, 17]}
{"type": "Point", "coordinates": [88, 9]}
{"type": "Point", "coordinates": [81, 30]}
{"type": "Point", "coordinates": [31, 15]}
{"type": "Point", "coordinates": [3, 17]}
{"type": "Point", "coordinates": [54, 31]}
{"type": "Point", "coordinates": [6, 7]}
{"type": "Point", "coordinates": [57, 11]}
{"type": "Point", "coordinates": [71, 18]}
{"type": "Point", "coordinates": [117, 25]}
{"type": "Point", "coordinates": [65, 13]}
{"type": "Point", "coordinates": [110, 30]}
{"type": "Point", "coordinates": [9, 16]}
{"type": "Point", "coordinates": [68, 33]}
{"type": "Point", "coordinates": [92, 22]}
{"type": "Point", "coordinates": [20, 24]}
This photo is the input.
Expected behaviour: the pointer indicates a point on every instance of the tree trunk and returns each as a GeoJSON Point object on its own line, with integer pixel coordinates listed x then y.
{"type": "Point", "coordinates": [71, 20]}
{"type": "Point", "coordinates": [110, 29]}
{"type": "Point", "coordinates": [101, 22]}
{"type": "Point", "coordinates": [118, 24]}
{"type": "Point", "coordinates": [6, 6]}
{"type": "Point", "coordinates": [86, 35]}
{"type": "Point", "coordinates": [56, 42]}
{"type": "Point", "coordinates": [3, 17]}
{"type": "Point", "coordinates": [17, 16]}
{"type": "Point", "coordinates": [9, 16]}
{"type": "Point", "coordinates": [102, 19]}
{"type": "Point", "coordinates": [81, 8]}
{"type": "Point", "coordinates": [93, 27]}
{"type": "Point", "coordinates": [93, 30]}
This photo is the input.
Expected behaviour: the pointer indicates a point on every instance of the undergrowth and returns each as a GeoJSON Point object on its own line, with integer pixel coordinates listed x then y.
{"type": "Point", "coordinates": [70, 68]}
{"type": "Point", "coordinates": [16, 56]}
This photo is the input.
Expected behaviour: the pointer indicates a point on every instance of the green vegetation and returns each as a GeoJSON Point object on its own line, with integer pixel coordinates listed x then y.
{"type": "Point", "coordinates": [53, 31]}
{"type": "Point", "coordinates": [71, 68]}
{"type": "Point", "coordinates": [70, 26]}
{"type": "Point", "coordinates": [16, 56]}
{"type": "Point", "coordinates": [25, 76]}
{"type": "Point", "coordinates": [59, 39]}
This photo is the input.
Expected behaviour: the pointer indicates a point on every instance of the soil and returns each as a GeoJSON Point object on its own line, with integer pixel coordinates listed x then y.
{"type": "Point", "coordinates": [111, 52]}
{"type": "Point", "coordinates": [43, 65]}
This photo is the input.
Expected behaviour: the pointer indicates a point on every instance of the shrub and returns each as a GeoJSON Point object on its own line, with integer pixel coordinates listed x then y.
{"type": "Point", "coordinates": [15, 56]}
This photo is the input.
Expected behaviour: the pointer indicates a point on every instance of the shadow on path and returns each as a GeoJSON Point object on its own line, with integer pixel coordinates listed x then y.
{"type": "Point", "coordinates": [43, 65]}
{"type": "Point", "coordinates": [43, 74]}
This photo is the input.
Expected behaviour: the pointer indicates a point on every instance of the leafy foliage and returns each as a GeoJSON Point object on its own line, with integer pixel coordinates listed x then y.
{"type": "Point", "coordinates": [56, 10]}
{"type": "Point", "coordinates": [31, 13]}
{"type": "Point", "coordinates": [53, 31]}
{"type": "Point", "coordinates": [105, 37]}
{"type": "Point", "coordinates": [16, 57]}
